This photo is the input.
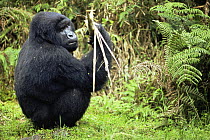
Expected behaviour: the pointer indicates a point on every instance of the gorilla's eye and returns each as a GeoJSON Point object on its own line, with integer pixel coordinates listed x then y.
{"type": "Point", "coordinates": [63, 27]}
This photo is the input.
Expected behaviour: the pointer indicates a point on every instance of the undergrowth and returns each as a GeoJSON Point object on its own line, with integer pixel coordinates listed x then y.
{"type": "Point", "coordinates": [186, 36]}
{"type": "Point", "coordinates": [106, 118]}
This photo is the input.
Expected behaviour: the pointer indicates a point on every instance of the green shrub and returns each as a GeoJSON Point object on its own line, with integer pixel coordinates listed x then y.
{"type": "Point", "coordinates": [186, 40]}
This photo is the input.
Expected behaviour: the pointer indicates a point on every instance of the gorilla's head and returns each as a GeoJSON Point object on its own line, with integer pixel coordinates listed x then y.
{"type": "Point", "coordinates": [53, 28]}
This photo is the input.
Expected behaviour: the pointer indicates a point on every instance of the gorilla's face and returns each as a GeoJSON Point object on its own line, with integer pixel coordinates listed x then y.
{"type": "Point", "coordinates": [67, 35]}
{"type": "Point", "coordinates": [54, 28]}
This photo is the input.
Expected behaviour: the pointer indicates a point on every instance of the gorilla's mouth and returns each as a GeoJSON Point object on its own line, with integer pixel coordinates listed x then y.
{"type": "Point", "coordinates": [72, 43]}
{"type": "Point", "coordinates": [71, 46]}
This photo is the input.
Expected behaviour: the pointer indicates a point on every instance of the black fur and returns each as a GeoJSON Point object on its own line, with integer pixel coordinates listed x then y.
{"type": "Point", "coordinates": [53, 87]}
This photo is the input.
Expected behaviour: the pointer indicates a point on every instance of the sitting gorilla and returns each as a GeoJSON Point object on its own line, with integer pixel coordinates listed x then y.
{"type": "Point", "coordinates": [54, 88]}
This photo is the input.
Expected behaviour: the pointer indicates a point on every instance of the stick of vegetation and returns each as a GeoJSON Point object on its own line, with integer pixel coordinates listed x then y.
{"type": "Point", "coordinates": [89, 24]}
{"type": "Point", "coordinates": [93, 31]}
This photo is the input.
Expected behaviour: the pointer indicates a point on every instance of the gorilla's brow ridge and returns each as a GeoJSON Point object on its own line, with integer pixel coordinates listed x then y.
{"type": "Point", "coordinates": [62, 23]}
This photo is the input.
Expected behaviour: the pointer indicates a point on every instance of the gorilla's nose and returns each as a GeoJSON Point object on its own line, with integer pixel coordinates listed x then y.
{"type": "Point", "coordinates": [71, 35]}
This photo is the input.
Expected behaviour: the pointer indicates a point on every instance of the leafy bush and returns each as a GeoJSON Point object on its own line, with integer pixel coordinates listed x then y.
{"type": "Point", "coordinates": [186, 42]}
{"type": "Point", "coordinates": [14, 29]}
{"type": "Point", "coordinates": [140, 97]}
{"type": "Point", "coordinates": [8, 59]}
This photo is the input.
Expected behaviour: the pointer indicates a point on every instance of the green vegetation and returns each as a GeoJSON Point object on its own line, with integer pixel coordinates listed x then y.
{"type": "Point", "coordinates": [104, 119]}
{"type": "Point", "coordinates": [186, 43]}
{"type": "Point", "coordinates": [161, 89]}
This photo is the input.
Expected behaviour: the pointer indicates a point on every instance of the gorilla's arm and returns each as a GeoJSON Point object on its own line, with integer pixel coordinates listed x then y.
{"type": "Point", "coordinates": [74, 75]}
{"type": "Point", "coordinates": [87, 60]}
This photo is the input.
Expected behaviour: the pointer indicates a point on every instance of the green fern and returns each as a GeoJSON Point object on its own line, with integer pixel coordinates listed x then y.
{"type": "Point", "coordinates": [165, 28]}
{"type": "Point", "coordinates": [184, 50]}
{"type": "Point", "coordinates": [179, 15]}
{"type": "Point", "coordinates": [187, 98]}
{"type": "Point", "coordinates": [187, 46]}
{"type": "Point", "coordinates": [177, 11]}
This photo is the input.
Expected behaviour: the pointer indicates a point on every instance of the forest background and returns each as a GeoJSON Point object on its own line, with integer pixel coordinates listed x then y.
{"type": "Point", "coordinates": [163, 51]}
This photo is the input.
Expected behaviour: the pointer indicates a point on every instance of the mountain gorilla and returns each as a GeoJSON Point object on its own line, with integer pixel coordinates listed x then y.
{"type": "Point", "coordinates": [53, 87]}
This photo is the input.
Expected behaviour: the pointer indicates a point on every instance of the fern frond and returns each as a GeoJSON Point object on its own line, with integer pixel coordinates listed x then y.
{"type": "Point", "coordinates": [187, 56]}
{"type": "Point", "coordinates": [195, 92]}
{"type": "Point", "coordinates": [177, 11]}
{"type": "Point", "coordinates": [189, 53]}
{"type": "Point", "coordinates": [187, 100]}
{"type": "Point", "coordinates": [176, 43]}
{"type": "Point", "coordinates": [188, 69]}
{"type": "Point", "coordinates": [190, 102]}
{"type": "Point", "coordinates": [186, 78]}
{"type": "Point", "coordinates": [175, 65]}
{"type": "Point", "coordinates": [201, 31]}
{"type": "Point", "coordinates": [178, 5]}
{"type": "Point", "coordinates": [181, 65]}
{"type": "Point", "coordinates": [164, 28]}
{"type": "Point", "coordinates": [187, 73]}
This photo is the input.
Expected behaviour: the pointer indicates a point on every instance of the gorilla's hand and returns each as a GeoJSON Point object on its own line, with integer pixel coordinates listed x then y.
{"type": "Point", "coordinates": [100, 29]}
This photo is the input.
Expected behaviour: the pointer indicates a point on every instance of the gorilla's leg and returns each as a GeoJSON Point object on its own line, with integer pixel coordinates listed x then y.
{"type": "Point", "coordinates": [71, 106]}
{"type": "Point", "coordinates": [39, 112]}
